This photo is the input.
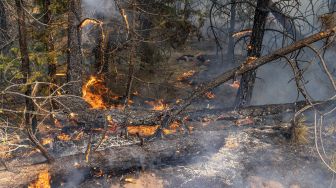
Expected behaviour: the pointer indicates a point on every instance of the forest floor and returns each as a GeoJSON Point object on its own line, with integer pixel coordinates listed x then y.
{"type": "Point", "coordinates": [246, 158]}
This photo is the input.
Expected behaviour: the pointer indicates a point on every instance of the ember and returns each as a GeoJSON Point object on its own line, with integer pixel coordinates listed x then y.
{"type": "Point", "coordinates": [43, 181]}
{"type": "Point", "coordinates": [186, 75]}
{"type": "Point", "coordinates": [210, 95]}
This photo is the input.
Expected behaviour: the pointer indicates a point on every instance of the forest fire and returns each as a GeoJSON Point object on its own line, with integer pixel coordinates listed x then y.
{"type": "Point", "coordinates": [43, 180]}
{"type": "Point", "coordinates": [93, 92]}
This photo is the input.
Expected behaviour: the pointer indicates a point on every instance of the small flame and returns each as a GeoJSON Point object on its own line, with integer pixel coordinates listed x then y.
{"type": "Point", "coordinates": [46, 141]}
{"type": "Point", "coordinates": [186, 75]}
{"type": "Point", "coordinates": [157, 105]}
{"type": "Point", "coordinates": [43, 180]}
{"type": "Point", "coordinates": [242, 33]}
{"type": "Point", "coordinates": [235, 84]}
{"type": "Point", "coordinates": [142, 130]}
{"type": "Point", "coordinates": [94, 98]}
{"type": "Point", "coordinates": [63, 137]}
{"type": "Point", "coordinates": [210, 95]}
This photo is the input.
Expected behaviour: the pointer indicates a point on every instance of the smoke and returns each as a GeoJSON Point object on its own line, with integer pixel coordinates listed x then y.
{"type": "Point", "coordinates": [99, 8]}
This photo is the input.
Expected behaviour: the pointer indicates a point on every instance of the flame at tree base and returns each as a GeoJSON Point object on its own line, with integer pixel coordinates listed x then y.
{"type": "Point", "coordinates": [93, 92]}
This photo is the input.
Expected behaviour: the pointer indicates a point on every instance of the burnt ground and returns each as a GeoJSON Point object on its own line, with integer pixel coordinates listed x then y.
{"type": "Point", "coordinates": [251, 158]}
{"type": "Point", "coordinates": [245, 158]}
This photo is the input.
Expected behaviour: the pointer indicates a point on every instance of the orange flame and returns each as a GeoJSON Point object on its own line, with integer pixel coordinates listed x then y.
{"type": "Point", "coordinates": [43, 180]}
{"type": "Point", "coordinates": [93, 91]}
{"type": "Point", "coordinates": [64, 137]}
{"type": "Point", "coordinates": [142, 130]}
{"type": "Point", "coordinates": [157, 105]}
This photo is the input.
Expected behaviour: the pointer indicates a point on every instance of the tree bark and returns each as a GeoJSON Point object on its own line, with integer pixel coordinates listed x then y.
{"type": "Point", "coordinates": [30, 120]}
{"type": "Point", "coordinates": [247, 81]}
{"type": "Point", "coordinates": [74, 59]}
{"type": "Point", "coordinates": [3, 29]}
{"type": "Point", "coordinates": [50, 48]}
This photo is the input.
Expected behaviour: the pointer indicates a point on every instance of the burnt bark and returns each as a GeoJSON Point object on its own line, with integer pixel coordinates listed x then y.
{"type": "Point", "coordinates": [74, 56]}
{"type": "Point", "coordinates": [30, 119]}
{"type": "Point", "coordinates": [247, 81]}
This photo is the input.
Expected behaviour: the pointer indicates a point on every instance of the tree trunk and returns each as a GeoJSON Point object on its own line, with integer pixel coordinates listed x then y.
{"type": "Point", "coordinates": [247, 81]}
{"type": "Point", "coordinates": [74, 61]}
{"type": "Point", "coordinates": [30, 120]}
{"type": "Point", "coordinates": [231, 45]}
{"type": "Point", "coordinates": [49, 45]}
{"type": "Point", "coordinates": [3, 29]}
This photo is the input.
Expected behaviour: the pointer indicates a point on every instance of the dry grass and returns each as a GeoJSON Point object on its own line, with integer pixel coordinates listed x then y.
{"type": "Point", "coordinates": [300, 131]}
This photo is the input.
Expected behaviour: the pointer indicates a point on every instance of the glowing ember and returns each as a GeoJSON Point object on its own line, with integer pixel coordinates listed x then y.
{"type": "Point", "coordinates": [186, 75]}
{"type": "Point", "coordinates": [43, 180]}
{"type": "Point", "coordinates": [93, 91]}
{"type": "Point", "coordinates": [210, 95]}
{"type": "Point", "coordinates": [242, 33]}
{"type": "Point", "coordinates": [64, 137]}
{"type": "Point", "coordinates": [142, 130]}
{"type": "Point", "coordinates": [157, 105]}
{"type": "Point", "coordinates": [235, 84]}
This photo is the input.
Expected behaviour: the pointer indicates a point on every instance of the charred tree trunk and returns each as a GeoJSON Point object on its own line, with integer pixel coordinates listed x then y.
{"type": "Point", "coordinates": [74, 61]}
{"type": "Point", "coordinates": [30, 120]}
{"type": "Point", "coordinates": [247, 81]}
{"type": "Point", "coordinates": [231, 45]}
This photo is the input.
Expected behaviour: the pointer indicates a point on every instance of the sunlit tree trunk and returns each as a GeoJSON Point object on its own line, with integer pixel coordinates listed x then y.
{"type": "Point", "coordinates": [74, 59]}
{"type": "Point", "coordinates": [247, 81]}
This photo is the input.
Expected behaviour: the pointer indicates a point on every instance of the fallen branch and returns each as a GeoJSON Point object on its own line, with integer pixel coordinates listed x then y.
{"type": "Point", "coordinates": [247, 66]}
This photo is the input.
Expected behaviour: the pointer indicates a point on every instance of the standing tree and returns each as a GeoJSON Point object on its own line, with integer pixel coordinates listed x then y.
{"type": "Point", "coordinates": [29, 117]}
{"type": "Point", "coordinates": [3, 29]}
{"type": "Point", "coordinates": [74, 59]}
{"type": "Point", "coordinates": [247, 82]}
